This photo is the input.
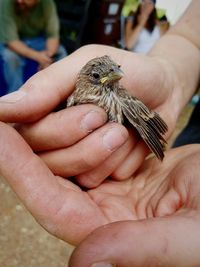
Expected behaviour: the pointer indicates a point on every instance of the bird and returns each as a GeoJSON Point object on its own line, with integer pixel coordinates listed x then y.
{"type": "Point", "coordinates": [98, 83]}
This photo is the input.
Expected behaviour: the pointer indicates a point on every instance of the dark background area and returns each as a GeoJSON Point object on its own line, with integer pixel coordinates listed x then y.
{"type": "Point", "coordinates": [89, 21]}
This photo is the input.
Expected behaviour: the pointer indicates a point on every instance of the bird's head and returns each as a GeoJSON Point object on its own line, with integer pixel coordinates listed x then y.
{"type": "Point", "coordinates": [101, 71]}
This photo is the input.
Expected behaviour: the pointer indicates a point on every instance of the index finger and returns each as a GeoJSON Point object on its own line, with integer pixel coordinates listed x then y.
{"type": "Point", "coordinates": [49, 87]}
{"type": "Point", "coordinates": [40, 94]}
{"type": "Point", "coordinates": [44, 91]}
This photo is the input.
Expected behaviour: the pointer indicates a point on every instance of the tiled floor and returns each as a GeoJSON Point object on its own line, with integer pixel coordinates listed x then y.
{"type": "Point", "coordinates": [23, 243]}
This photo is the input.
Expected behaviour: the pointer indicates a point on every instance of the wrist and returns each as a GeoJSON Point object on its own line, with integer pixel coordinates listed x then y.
{"type": "Point", "coordinates": [175, 100]}
{"type": "Point", "coordinates": [34, 55]}
{"type": "Point", "coordinates": [181, 65]}
{"type": "Point", "coordinates": [50, 53]}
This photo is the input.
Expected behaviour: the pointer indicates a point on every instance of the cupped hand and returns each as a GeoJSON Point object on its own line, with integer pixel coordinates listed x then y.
{"type": "Point", "coordinates": [59, 137]}
{"type": "Point", "coordinates": [160, 195]}
{"type": "Point", "coordinates": [156, 217]}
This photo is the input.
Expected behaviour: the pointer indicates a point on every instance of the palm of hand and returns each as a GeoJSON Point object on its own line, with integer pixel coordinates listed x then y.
{"type": "Point", "coordinates": [170, 188]}
{"type": "Point", "coordinates": [166, 198]}
{"type": "Point", "coordinates": [156, 191]}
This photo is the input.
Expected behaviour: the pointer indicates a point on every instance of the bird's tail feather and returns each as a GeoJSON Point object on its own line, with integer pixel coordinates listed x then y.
{"type": "Point", "coordinates": [150, 129]}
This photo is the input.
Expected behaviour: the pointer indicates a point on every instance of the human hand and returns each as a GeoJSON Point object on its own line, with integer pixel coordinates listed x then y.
{"type": "Point", "coordinates": [161, 210]}
{"type": "Point", "coordinates": [146, 9]}
{"type": "Point", "coordinates": [47, 89]}
{"type": "Point", "coordinates": [50, 53]}
{"type": "Point", "coordinates": [43, 59]}
{"type": "Point", "coordinates": [52, 46]}
{"type": "Point", "coordinates": [150, 213]}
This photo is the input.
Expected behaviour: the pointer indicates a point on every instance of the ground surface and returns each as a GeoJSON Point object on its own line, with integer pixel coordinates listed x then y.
{"type": "Point", "coordinates": [24, 243]}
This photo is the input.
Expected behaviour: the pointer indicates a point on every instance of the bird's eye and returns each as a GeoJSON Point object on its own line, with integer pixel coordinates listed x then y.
{"type": "Point", "coordinates": [95, 75]}
{"type": "Point", "coordinates": [119, 66]}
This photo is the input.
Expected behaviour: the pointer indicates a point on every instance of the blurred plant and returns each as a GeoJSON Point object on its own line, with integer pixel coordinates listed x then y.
{"type": "Point", "coordinates": [130, 5]}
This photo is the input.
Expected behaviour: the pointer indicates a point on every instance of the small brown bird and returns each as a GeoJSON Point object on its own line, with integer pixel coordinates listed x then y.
{"type": "Point", "coordinates": [98, 83]}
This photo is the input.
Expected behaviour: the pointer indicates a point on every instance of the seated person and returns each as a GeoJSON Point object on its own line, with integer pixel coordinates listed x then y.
{"type": "Point", "coordinates": [141, 31]}
{"type": "Point", "coordinates": [29, 30]}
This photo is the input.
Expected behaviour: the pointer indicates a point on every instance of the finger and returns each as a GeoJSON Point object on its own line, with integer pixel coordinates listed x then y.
{"type": "Point", "coordinates": [132, 162]}
{"type": "Point", "coordinates": [88, 153]}
{"type": "Point", "coordinates": [39, 95]}
{"type": "Point", "coordinates": [63, 128]}
{"type": "Point", "coordinates": [160, 242]}
{"type": "Point", "coordinates": [97, 175]}
{"type": "Point", "coordinates": [46, 89]}
{"type": "Point", "coordinates": [57, 206]}
{"type": "Point", "coordinates": [43, 91]}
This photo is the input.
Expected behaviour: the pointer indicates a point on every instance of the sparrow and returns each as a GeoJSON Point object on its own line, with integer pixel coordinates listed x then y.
{"type": "Point", "coordinates": [98, 83]}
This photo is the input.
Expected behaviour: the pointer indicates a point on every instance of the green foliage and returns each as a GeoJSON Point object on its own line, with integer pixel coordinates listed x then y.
{"type": "Point", "coordinates": [130, 5]}
{"type": "Point", "coordinates": [160, 12]}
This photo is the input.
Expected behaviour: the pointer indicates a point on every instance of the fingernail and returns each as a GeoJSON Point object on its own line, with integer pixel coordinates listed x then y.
{"type": "Point", "coordinates": [12, 97]}
{"type": "Point", "coordinates": [114, 138]}
{"type": "Point", "coordinates": [93, 120]}
{"type": "Point", "coordinates": [103, 264]}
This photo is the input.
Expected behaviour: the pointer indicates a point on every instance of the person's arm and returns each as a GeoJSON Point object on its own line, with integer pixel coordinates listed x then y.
{"type": "Point", "coordinates": [179, 49]}
{"type": "Point", "coordinates": [22, 49]}
{"type": "Point", "coordinates": [52, 45]}
{"type": "Point", "coordinates": [132, 34]}
{"type": "Point", "coordinates": [52, 28]}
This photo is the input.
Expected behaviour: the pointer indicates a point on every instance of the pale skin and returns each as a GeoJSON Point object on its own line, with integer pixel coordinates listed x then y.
{"type": "Point", "coordinates": [42, 57]}
{"type": "Point", "coordinates": [155, 214]}
{"type": "Point", "coordinates": [154, 191]}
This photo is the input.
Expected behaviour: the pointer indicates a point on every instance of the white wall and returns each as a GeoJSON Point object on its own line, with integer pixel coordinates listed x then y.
{"type": "Point", "coordinates": [174, 8]}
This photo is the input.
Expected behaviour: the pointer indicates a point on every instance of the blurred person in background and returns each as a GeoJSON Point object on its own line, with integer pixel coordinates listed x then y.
{"type": "Point", "coordinates": [141, 30]}
{"type": "Point", "coordinates": [29, 30]}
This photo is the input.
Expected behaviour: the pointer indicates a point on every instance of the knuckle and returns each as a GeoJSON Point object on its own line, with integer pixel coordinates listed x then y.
{"type": "Point", "coordinates": [120, 176]}
{"type": "Point", "coordinates": [88, 180]}
{"type": "Point", "coordinates": [84, 163]}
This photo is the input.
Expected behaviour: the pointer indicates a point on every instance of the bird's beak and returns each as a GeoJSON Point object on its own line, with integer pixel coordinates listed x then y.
{"type": "Point", "coordinates": [114, 75]}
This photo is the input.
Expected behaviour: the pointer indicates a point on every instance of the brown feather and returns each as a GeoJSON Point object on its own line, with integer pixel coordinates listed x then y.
{"type": "Point", "coordinates": [98, 83]}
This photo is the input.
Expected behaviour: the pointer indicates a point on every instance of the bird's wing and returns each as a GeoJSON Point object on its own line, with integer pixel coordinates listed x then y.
{"type": "Point", "coordinates": [148, 123]}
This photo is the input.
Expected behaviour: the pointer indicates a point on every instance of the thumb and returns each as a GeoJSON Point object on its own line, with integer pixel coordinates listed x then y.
{"type": "Point", "coordinates": [155, 242]}
{"type": "Point", "coordinates": [44, 91]}
{"type": "Point", "coordinates": [41, 93]}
